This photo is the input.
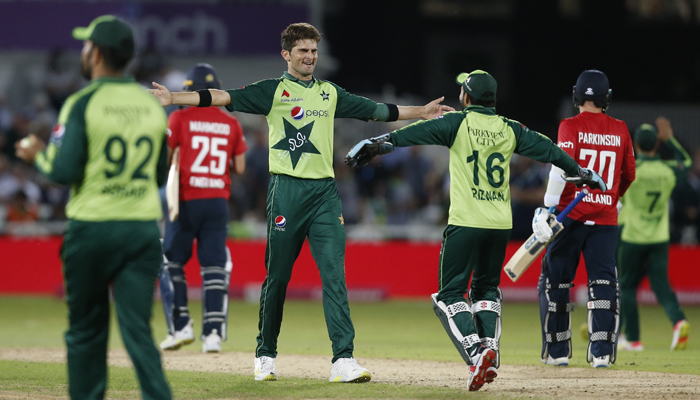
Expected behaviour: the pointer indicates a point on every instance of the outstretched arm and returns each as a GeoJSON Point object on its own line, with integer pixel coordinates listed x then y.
{"type": "Point", "coordinates": [429, 111]}
{"type": "Point", "coordinates": [219, 98]}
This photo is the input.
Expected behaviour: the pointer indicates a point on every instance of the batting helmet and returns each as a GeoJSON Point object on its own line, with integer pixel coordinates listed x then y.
{"type": "Point", "coordinates": [201, 76]}
{"type": "Point", "coordinates": [592, 85]}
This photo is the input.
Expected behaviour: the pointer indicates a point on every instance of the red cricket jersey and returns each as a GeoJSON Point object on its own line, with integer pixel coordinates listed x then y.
{"type": "Point", "coordinates": [603, 144]}
{"type": "Point", "coordinates": [208, 139]}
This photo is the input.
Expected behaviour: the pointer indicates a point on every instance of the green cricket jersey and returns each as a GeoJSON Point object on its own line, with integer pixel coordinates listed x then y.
{"type": "Point", "coordinates": [481, 145]}
{"type": "Point", "coordinates": [300, 120]}
{"type": "Point", "coordinates": [645, 213]}
{"type": "Point", "coordinates": [109, 146]}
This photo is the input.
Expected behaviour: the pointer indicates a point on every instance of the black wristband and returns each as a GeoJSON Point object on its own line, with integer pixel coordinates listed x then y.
{"type": "Point", "coordinates": [204, 98]}
{"type": "Point", "coordinates": [393, 112]}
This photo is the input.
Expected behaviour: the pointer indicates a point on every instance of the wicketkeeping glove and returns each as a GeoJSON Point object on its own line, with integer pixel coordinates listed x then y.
{"type": "Point", "coordinates": [540, 225]}
{"type": "Point", "coordinates": [586, 177]}
{"type": "Point", "coordinates": [363, 152]}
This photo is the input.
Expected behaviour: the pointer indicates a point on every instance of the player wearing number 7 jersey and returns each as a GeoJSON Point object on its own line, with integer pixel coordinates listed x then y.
{"type": "Point", "coordinates": [603, 144]}
{"type": "Point", "coordinates": [210, 140]}
{"type": "Point", "coordinates": [481, 145]}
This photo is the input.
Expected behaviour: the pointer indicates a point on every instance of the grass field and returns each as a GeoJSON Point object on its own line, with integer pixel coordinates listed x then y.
{"type": "Point", "coordinates": [396, 329]}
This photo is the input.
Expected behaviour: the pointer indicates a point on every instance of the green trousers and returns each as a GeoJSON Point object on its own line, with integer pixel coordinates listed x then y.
{"type": "Point", "coordinates": [634, 262]}
{"type": "Point", "coordinates": [297, 209]}
{"type": "Point", "coordinates": [481, 252]}
{"type": "Point", "coordinates": [127, 255]}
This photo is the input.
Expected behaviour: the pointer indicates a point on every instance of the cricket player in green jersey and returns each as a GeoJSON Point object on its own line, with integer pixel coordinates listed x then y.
{"type": "Point", "coordinates": [109, 145]}
{"type": "Point", "coordinates": [302, 198]}
{"type": "Point", "coordinates": [645, 237]}
{"type": "Point", "coordinates": [481, 145]}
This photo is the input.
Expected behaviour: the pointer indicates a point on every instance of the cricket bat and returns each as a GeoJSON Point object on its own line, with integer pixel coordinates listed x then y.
{"type": "Point", "coordinates": [528, 252]}
{"type": "Point", "coordinates": [172, 187]}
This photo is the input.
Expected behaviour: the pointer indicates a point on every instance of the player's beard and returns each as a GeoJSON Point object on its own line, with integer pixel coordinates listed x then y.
{"type": "Point", "coordinates": [85, 67]}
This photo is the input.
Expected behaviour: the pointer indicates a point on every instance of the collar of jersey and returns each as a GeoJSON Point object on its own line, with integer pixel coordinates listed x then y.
{"type": "Point", "coordinates": [481, 109]}
{"type": "Point", "coordinates": [114, 79]}
{"type": "Point", "coordinates": [310, 83]}
{"type": "Point", "coordinates": [647, 158]}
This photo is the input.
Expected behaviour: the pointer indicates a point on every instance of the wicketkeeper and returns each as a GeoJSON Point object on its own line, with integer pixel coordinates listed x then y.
{"type": "Point", "coordinates": [481, 144]}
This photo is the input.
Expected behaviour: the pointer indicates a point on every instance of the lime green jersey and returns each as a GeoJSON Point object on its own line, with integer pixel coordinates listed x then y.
{"type": "Point", "coordinates": [481, 145]}
{"type": "Point", "coordinates": [109, 146]}
{"type": "Point", "coordinates": [645, 212]}
{"type": "Point", "coordinates": [300, 120]}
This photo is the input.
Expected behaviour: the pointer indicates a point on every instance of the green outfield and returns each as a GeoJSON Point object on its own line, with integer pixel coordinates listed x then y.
{"type": "Point", "coordinates": [394, 329]}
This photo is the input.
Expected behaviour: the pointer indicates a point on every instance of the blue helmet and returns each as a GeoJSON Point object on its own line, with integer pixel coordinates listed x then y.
{"type": "Point", "coordinates": [201, 76]}
{"type": "Point", "coordinates": [592, 85]}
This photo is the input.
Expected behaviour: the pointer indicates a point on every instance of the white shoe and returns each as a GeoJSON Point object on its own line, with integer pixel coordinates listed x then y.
{"type": "Point", "coordinates": [265, 369]}
{"type": "Point", "coordinates": [630, 346]}
{"type": "Point", "coordinates": [181, 338]}
{"type": "Point", "coordinates": [348, 370]}
{"type": "Point", "coordinates": [212, 343]}
{"type": "Point", "coordinates": [601, 362]}
{"type": "Point", "coordinates": [558, 362]}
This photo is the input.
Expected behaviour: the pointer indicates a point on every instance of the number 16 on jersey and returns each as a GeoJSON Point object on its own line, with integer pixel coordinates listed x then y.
{"type": "Point", "coordinates": [531, 249]}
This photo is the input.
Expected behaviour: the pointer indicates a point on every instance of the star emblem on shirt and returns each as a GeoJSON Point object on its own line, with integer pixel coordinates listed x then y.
{"type": "Point", "coordinates": [325, 95]}
{"type": "Point", "coordinates": [342, 220]}
{"type": "Point", "coordinates": [296, 141]}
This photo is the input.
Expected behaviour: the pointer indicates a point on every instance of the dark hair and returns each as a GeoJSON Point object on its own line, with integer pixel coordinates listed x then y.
{"type": "Point", "coordinates": [482, 103]}
{"type": "Point", "coordinates": [115, 60]}
{"type": "Point", "coordinates": [299, 31]}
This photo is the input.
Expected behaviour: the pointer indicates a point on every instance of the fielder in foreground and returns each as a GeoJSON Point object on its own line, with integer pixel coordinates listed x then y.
{"type": "Point", "coordinates": [598, 142]}
{"type": "Point", "coordinates": [644, 242]}
{"type": "Point", "coordinates": [302, 196]}
{"type": "Point", "coordinates": [109, 145]}
{"type": "Point", "coordinates": [481, 144]}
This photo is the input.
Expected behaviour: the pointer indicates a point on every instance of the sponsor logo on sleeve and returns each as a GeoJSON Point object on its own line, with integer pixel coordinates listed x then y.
{"type": "Point", "coordinates": [285, 93]}
{"type": "Point", "coordinates": [566, 145]}
{"type": "Point", "coordinates": [57, 133]}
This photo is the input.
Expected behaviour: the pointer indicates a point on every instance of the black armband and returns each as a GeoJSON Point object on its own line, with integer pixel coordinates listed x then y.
{"type": "Point", "coordinates": [393, 112]}
{"type": "Point", "coordinates": [204, 98]}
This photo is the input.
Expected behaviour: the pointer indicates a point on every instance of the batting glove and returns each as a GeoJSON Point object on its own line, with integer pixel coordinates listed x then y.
{"type": "Point", "coordinates": [586, 177]}
{"type": "Point", "coordinates": [540, 225]}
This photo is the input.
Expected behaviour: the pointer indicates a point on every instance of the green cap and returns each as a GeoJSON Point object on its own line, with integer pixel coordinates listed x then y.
{"type": "Point", "coordinates": [108, 31]}
{"type": "Point", "coordinates": [646, 136]}
{"type": "Point", "coordinates": [478, 84]}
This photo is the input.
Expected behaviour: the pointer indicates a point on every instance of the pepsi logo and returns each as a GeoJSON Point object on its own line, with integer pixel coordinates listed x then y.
{"type": "Point", "coordinates": [297, 113]}
{"type": "Point", "coordinates": [280, 221]}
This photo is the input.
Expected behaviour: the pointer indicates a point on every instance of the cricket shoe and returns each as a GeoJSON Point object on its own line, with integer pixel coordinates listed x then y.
{"type": "Point", "coordinates": [558, 362]}
{"type": "Point", "coordinates": [265, 369]}
{"type": "Point", "coordinates": [212, 343]}
{"type": "Point", "coordinates": [180, 338]}
{"type": "Point", "coordinates": [349, 371]}
{"type": "Point", "coordinates": [491, 374]}
{"type": "Point", "coordinates": [481, 363]}
{"type": "Point", "coordinates": [631, 346]}
{"type": "Point", "coordinates": [601, 362]}
{"type": "Point", "coordinates": [680, 335]}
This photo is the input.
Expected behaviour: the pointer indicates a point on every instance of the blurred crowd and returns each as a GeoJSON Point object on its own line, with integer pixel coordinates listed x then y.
{"type": "Point", "coordinates": [407, 187]}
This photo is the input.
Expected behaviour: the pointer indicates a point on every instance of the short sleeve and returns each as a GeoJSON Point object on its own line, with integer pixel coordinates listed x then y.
{"type": "Point", "coordinates": [174, 130]}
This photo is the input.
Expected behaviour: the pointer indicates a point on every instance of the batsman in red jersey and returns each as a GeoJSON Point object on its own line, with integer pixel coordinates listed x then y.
{"type": "Point", "coordinates": [603, 144]}
{"type": "Point", "coordinates": [211, 142]}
